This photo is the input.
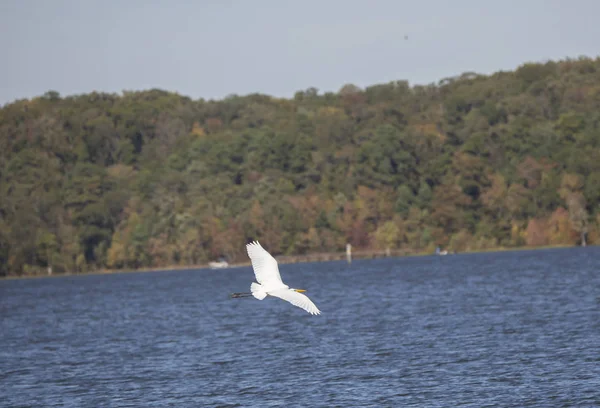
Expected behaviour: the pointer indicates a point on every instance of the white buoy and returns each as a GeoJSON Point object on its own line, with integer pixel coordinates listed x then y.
{"type": "Point", "coordinates": [349, 253]}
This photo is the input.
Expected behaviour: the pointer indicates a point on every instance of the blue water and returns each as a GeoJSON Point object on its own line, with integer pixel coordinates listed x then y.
{"type": "Point", "coordinates": [511, 329]}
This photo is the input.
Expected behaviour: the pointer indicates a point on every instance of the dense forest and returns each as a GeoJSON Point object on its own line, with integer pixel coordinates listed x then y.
{"type": "Point", "coordinates": [152, 178]}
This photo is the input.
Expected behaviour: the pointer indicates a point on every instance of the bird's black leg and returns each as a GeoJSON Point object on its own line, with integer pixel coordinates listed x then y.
{"type": "Point", "coordinates": [240, 295]}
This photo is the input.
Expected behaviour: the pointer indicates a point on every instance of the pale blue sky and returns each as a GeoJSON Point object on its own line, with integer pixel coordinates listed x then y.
{"type": "Point", "coordinates": [213, 48]}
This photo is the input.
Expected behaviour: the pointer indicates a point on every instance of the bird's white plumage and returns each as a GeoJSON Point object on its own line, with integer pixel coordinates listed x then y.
{"type": "Point", "coordinates": [269, 280]}
{"type": "Point", "coordinates": [296, 299]}
{"type": "Point", "coordinates": [264, 265]}
{"type": "Point", "coordinates": [257, 291]}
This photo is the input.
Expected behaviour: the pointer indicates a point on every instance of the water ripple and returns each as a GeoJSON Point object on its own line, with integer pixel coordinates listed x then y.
{"type": "Point", "coordinates": [506, 329]}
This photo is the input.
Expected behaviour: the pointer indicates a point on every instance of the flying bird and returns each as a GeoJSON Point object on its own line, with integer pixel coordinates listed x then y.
{"type": "Point", "coordinates": [269, 281]}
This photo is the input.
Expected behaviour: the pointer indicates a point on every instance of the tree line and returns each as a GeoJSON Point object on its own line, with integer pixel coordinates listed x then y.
{"type": "Point", "coordinates": [153, 178]}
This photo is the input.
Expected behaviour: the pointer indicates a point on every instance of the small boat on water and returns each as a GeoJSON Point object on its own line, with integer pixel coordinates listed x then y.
{"type": "Point", "coordinates": [438, 251]}
{"type": "Point", "coordinates": [220, 264]}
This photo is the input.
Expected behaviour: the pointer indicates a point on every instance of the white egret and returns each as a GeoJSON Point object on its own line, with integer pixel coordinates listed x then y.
{"type": "Point", "coordinates": [269, 281]}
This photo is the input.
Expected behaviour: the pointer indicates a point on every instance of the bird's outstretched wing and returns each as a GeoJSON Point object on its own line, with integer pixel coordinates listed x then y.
{"type": "Point", "coordinates": [264, 265]}
{"type": "Point", "coordinates": [296, 299]}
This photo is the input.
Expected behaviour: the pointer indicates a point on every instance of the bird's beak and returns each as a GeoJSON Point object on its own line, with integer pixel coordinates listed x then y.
{"type": "Point", "coordinates": [300, 290]}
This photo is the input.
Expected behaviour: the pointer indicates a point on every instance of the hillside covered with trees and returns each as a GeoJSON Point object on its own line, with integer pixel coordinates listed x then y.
{"type": "Point", "coordinates": [152, 178]}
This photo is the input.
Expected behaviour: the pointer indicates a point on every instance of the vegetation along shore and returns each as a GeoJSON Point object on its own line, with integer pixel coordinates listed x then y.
{"type": "Point", "coordinates": [153, 179]}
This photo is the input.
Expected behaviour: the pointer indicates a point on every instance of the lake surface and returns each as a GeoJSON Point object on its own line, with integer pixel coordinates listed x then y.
{"type": "Point", "coordinates": [509, 329]}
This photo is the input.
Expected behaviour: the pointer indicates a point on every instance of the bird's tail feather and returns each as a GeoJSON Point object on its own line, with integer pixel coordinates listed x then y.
{"type": "Point", "coordinates": [257, 291]}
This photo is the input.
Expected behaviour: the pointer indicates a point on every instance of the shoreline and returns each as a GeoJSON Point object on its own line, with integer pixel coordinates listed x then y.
{"type": "Point", "coordinates": [289, 259]}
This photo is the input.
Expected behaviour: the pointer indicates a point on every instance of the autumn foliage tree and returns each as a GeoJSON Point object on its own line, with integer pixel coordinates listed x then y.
{"type": "Point", "coordinates": [153, 178]}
